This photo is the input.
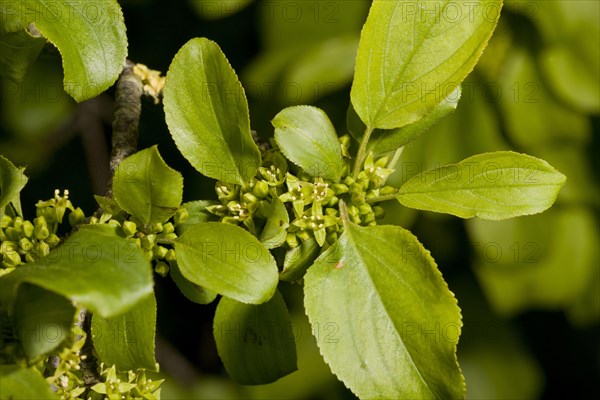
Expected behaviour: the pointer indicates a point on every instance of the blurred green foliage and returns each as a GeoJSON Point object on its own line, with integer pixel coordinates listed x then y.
{"type": "Point", "coordinates": [529, 288]}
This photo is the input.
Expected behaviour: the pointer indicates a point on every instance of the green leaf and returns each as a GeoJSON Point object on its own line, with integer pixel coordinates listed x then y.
{"type": "Point", "coordinates": [228, 260]}
{"type": "Point", "coordinates": [91, 40]}
{"type": "Point", "coordinates": [298, 259]}
{"type": "Point", "coordinates": [191, 291]}
{"type": "Point", "coordinates": [213, 10]}
{"type": "Point", "coordinates": [197, 213]}
{"type": "Point", "coordinates": [255, 342]}
{"type": "Point", "coordinates": [43, 320]}
{"type": "Point", "coordinates": [412, 56]}
{"type": "Point", "coordinates": [12, 181]}
{"type": "Point", "coordinates": [18, 50]}
{"type": "Point", "coordinates": [207, 113]}
{"type": "Point", "coordinates": [147, 188]}
{"type": "Point", "coordinates": [396, 323]}
{"type": "Point", "coordinates": [490, 186]}
{"type": "Point", "coordinates": [278, 220]}
{"type": "Point", "coordinates": [384, 141]}
{"type": "Point", "coordinates": [127, 341]}
{"type": "Point", "coordinates": [93, 267]}
{"type": "Point", "coordinates": [307, 137]}
{"type": "Point", "coordinates": [20, 383]}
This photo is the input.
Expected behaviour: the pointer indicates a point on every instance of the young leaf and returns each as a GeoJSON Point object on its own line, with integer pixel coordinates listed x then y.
{"type": "Point", "coordinates": [43, 320]}
{"type": "Point", "coordinates": [19, 383]}
{"type": "Point", "coordinates": [228, 260]}
{"type": "Point", "coordinates": [93, 267]}
{"type": "Point", "coordinates": [490, 186]}
{"type": "Point", "coordinates": [191, 291]}
{"type": "Point", "coordinates": [384, 141]}
{"type": "Point", "coordinates": [413, 55]}
{"type": "Point", "coordinates": [396, 322]}
{"type": "Point", "coordinates": [274, 233]}
{"type": "Point", "coordinates": [147, 188]}
{"type": "Point", "coordinates": [127, 341]}
{"type": "Point", "coordinates": [207, 113]}
{"type": "Point", "coordinates": [255, 342]}
{"type": "Point", "coordinates": [307, 137]}
{"type": "Point", "coordinates": [18, 50]}
{"type": "Point", "coordinates": [298, 259]}
{"type": "Point", "coordinates": [12, 181]}
{"type": "Point", "coordinates": [93, 44]}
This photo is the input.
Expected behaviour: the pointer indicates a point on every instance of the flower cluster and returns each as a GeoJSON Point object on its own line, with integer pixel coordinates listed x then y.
{"type": "Point", "coordinates": [23, 241]}
{"type": "Point", "coordinates": [312, 203]}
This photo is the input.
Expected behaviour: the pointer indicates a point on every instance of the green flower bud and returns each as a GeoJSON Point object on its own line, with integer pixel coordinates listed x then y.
{"type": "Point", "coordinates": [168, 228]}
{"type": "Point", "coordinates": [387, 190]}
{"type": "Point", "coordinates": [160, 252]}
{"type": "Point", "coordinates": [53, 240]}
{"type": "Point", "coordinates": [355, 188]}
{"type": "Point", "coordinates": [170, 236]}
{"type": "Point", "coordinates": [148, 254]}
{"type": "Point", "coordinates": [17, 223]}
{"type": "Point", "coordinates": [27, 229]}
{"type": "Point", "coordinates": [358, 198]}
{"type": "Point", "coordinates": [356, 220]}
{"type": "Point", "coordinates": [181, 216]}
{"type": "Point", "coordinates": [30, 258]}
{"type": "Point", "coordinates": [8, 247]}
{"type": "Point", "coordinates": [138, 242]}
{"type": "Point", "coordinates": [303, 235]}
{"type": "Point", "coordinates": [352, 210]}
{"type": "Point", "coordinates": [345, 141]}
{"type": "Point", "coordinates": [25, 244]}
{"type": "Point", "coordinates": [349, 181]}
{"type": "Point", "coordinates": [129, 228]}
{"type": "Point", "coordinates": [339, 188]}
{"type": "Point", "coordinates": [370, 217]}
{"type": "Point", "coordinates": [11, 259]}
{"type": "Point", "coordinates": [41, 232]}
{"type": "Point", "coordinates": [261, 189]}
{"type": "Point", "coordinates": [332, 237]}
{"type": "Point", "coordinates": [162, 269]}
{"type": "Point", "coordinates": [249, 198]}
{"type": "Point", "coordinates": [156, 228]}
{"type": "Point", "coordinates": [291, 240]}
{"type": "Point", "coordinates": [333, 200]}
{"type": "Point", "coordinates": [148, 241]}
{"type": "Point", "coordinates": [114, 222]}
{"type": "Point", "coordinates": [227, 191]}
{"type": "Point", "coordinates": [6, 222]}
{"type": "Point", "coordinates": [332, 211]}
{"type": "Point", "coordinates": [2, 235]}
{"type": "Point", "coordinates": [76, 217]}
{"type": "Point", "coordinates": [12, 234]}
{"type": "Point", "coordinates": [171, 256]}
{"type": "Point", "coordinates": [41, 249]}
{"type": "Point", "coordinates": [93, 220]}
{"type": "Point", "coordinates": [379, 212]}
{"type": "Point", "coordinates": [364, 209]}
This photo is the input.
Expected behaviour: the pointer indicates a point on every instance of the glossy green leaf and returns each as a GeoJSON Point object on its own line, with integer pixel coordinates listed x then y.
{"type": "Point", "coordinates": [18, 50]}
{"type": "Point", "coordinates": [20, 383]}
{"type": "Point", "coordinates": [228, 260]}
{"type": "Point", "coordinates": [12, 181]}
{"type": "Point", "coordinates": [213, 10]}
{"type": "Point", "coordinates": [384, 141]}
{"type": "Point", "coordinates": [93, 267]}
{"type": "Point", "coordinates": [307, 137]}
{"type": "Point", "coordinates": [490, 186]}
{"type": "Point", "coordinates": [127, 341]}
{"type": "Point", "coordinates": [396, 323]}
{"type": "Point", "coordinates": [43, 320]}
{"type": "Point", "coordinates": [92, 42]}
{"type": "Point", "coordinates": [191, 291]}
{"type": "Point", "coordinates": [255, 342]}
{"type": "Point", "coordinates": [207, 113]}
{"type": "Point", "coordinates": [278, 220]}
{"type": "Point", "coordinates": [413, 55]}
{"type": "Point", "coordinates": [147, 188]}
{"type": "Point", "coordinates": [298, 259]}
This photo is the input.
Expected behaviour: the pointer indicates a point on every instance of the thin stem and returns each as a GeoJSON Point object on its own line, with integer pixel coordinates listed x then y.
{"type": "Point", "coordinates": [378, 199]}
{"type": "Point", "coordinates": [362, 150]}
